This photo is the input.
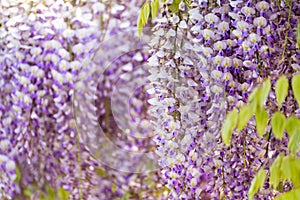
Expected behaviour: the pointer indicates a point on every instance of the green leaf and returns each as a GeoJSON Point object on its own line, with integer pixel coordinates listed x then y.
{"type": "Point", "coordinates": [126, 196]}
{"type": "Point", "coordinates": [229, 125]}
{"type": "Point", "coordinates": [261, 117]}
{"type": "Point", "coordinates": [257, 183]}
{"type": "Point", "coordinates": [19, 175]}
{"type": "Point", "coordinates": [245, 115]}
{"type": "Point", "coordinates": [264, 91]}
{"type": "Point", "coordinates": [296, 87]}
{"type": "Point", "coordinates": [174, 7]}
{"type": "Point", "coordinates": [275, 171]}
{"type": "Point", "coordinates": [278, 124]}
{"type": "Point", "coordinates": [101, 172]}
{"type": "Point", "coordinates": [292, 124]}
{"type": "Point", "coordinates": [293, 130]}
{"type": "Point", "coordinates": [294, 141]}
{"type": "Point", "coordinates": [113, 187]}
{"type": "Point", "coordinates": [286, 169]}
{"type": "Point", "coordinates": [50, 193]}
{"type": "Point", "coordinates": [295, 169]}
{"type": "Point", "coordinates": [298, 35]}
{"type": "Point", "coordinates": [253, 94]}
{"type": "Point", "coordinates": [294, 194]}
{"type": "Point", "coordinates": [140, 25]}
{"type": "Point", "coordinates": [27, 192]}
{"type": "Point", "coordinates": [154, 8]}
{"type": "Point", "coordinates": [281, 89]}
{"type": "Point", "coordinates": [146, 13]}
{"type": "Point", "coordinates": [63, 194]}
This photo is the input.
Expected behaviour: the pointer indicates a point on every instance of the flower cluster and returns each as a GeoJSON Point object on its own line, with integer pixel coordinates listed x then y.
{"type": "Point", "coordinates": [52, 55]}
{"type": "Point", "coordinates": [47, 48]}
{"type": "Point", "coordinates": [227, 49]}
{"type": "Point", "coordinates": [84, 101]}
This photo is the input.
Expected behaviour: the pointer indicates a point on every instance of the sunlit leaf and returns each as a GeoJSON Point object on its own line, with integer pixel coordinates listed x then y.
{"type": "Point", "coordinates": [278, 124]}
{"type": "Point", "coordinates": [113, 187]}
{"type": "Point", "coordinates": [126, 196]}
{"type": "Point", "coordinates": [253, 94]}
{"type": "Point", "coordinates": [281, 89]}
{"type": "Point", "coordinates": [174, 7]}
{"type": "Point", "coordinates": [19, 175]}
{"type": "Point", "coordinates": [275, 171]}
{"type": "Point", "coordinates": [295, 169]}
{"type": "Point", "coordinates": [229, 125]}
{"type": "Point", "coordinates": [146, 12]}
{"type": "Point", "coordinates": [140, 25]}
{"type": "Point", "coordinates": [101, 172]}
{"type": "Point", "coordinates": [294, 141]}
{"type": "Point", "coordinates": [63, 194]}
{"type": "Point", "coordinates": [265, 91]}
{"type": "Point", "coordinates": [296, 87]}
{"type": "Point", "coordinates": [293, 130]}
{"type": "Point", "coordinates": [245, 115]}
{"type": "Point", "coordinates": [294, 194]}
{"type": "Point", "coordinates": [154, 8]}
{"type": "Point", "coordinates": [50, 193]}
{"type": "Point", "coordinates": [261, 117]}
{"type": "Point", "coordinates": [286, 169]}
{"type": "Point", "coordinates": [257, 183]}
{"type": "Point", "coordinates": [27, 192]}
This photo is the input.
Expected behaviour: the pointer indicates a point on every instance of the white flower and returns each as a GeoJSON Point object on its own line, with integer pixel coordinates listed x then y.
{"type": "Point", "coordinates": [78, 49]}
{"type": "Point", "coordinates": [260, 22]}
{"type": "Point", "coordinates": [63, 65]}
{"type": "Point", "coordinates": [58, 76]}
{"type": "Point", "coordinates": [237, 33]}
{"type": "Point", "coordinates": [207, 51]}
{"type": "Point", "coordinates": [27, 100]}
{"type": "Point", "coordinates": [208, 34]}
{"type": "Point", "coordinates": [174, 125]}
{"type": "Point", "coordinates": [10, 165]}
{"type": "Point", "coordinates": [254, 38]}
{"type": "Point", "coordinates": [4, 144]}
{"type": "Point", "coordinates": [223, 26]}
{"type": "Point", "coordinates": [242, 25]}
{"type": "Point", "coordinates": [194, 182]}
{"type": "Point", "coordinates": [68, 33]}
{"type": "Point", "coordinates": [227, 76]}
{"type": "Point", "coordinates": [220, 45]}
{"type": "Point", "coordinates": [236, 62]}
{"type": "Point", "coordinates": [35, 51]}
{"type": "Point", "coordinates": [262, 6]}
{"type": "Point", "coordinates": [55, 59]}
{"type": "Point", "coordinates": [216, 74]}
{"type": "Point", "coordinates": [180, 158]}
{"type": "Point", "coordinates": [195, 14]}
{"type": "Point", "coordinates": [169, 101]}
{"type": "Point", "coordinates": [248, 11]}
{"type": "Point", "coordinates": [64, 53]}
{"type": "Point", "coordinates": [3, 159]}
{"type": "Point", "coordinates": [211, 18]}
{"type": "Point", "coordinates": [98, 8]}
{"type": "Point", "coordinates": [183, 24]}
{"type": "Point", "coordinates": [216, 89]}
{"type": "Point", "coordinates": [227, 62]}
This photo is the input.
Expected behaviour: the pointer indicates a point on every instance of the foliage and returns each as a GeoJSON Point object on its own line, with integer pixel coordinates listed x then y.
{"type": "Point", "coordinates": [284, 168]}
